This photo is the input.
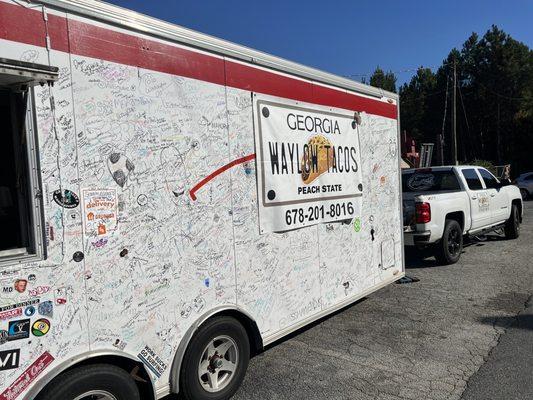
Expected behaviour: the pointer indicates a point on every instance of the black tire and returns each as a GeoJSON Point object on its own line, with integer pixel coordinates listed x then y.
{"type": "Point", "coordinates": [97, 377]}
{"type": "Point", "coordinates": [448, 250]}
{"type": "Point", "coordinates": [524, 193]}
{"type": "Point", "coordinates": [191, 386]}
{"type": "Point", "coordinates": [512, 225]}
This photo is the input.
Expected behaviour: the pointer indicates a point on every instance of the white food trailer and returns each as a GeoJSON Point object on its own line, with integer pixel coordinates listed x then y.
{"type": "Point", "coordinates": [171, 203]}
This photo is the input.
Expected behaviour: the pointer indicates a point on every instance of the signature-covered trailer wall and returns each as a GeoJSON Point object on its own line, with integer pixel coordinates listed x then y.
{"type": "Point", "coordinates": [177, 183]}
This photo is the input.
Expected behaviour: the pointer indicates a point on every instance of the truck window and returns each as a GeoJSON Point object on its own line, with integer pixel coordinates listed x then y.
{"type": "Point", "coordinates": [472, 179]}
{"type": "Point", "coordinates": [429, 180]}
{"type": "Point", "coordinates": [490, 181]}
{"type": "Point", "coordinates": [21, 236]}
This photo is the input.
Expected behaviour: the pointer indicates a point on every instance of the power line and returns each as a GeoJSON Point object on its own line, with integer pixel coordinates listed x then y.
{"type": "Point", "coordinates": [426, 95]}
{"type": "Point", "coordinates": [470, 142]}
{"type": "Point", "coordinates": [501, 95]}
{"type": "Point", "coordinates": [400, 71]}
{"type": "Point", "coordinates": [464, 109]}
{"type": "Point", "coordinates": [444, 122]}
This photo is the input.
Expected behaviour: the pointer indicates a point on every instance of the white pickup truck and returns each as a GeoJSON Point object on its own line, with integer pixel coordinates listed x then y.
{"type": "Point", "coordinates": [442, 204]}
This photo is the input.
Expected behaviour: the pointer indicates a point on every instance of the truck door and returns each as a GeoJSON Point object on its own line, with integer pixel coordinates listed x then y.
{"type": "Point", "coordinates": [499, 204]}
{"type": "Point", "coordinates": [479, 199]}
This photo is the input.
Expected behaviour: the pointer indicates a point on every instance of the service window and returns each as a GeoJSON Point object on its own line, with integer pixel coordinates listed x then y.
{"type": "Point", "coordinates": [21, 233]}
{"type": "Point", "coordinates": [490, 181]}
{"type": "Point", "coordinates": [472, 179]}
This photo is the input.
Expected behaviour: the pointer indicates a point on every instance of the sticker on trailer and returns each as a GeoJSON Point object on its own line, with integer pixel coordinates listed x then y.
{"type": "Point", "coordinates": [17, 312]}
{"type": "Point", "coordinates": [9, 359]}
{"type": "Point", "coordinates": [21, 304]}
{"type": "Point", "coordinates": [152, 361]}
{"type": "Point", "coordinates": [28, 376]}
{"type": "Point", "coordinates": [100, 211]}
{"type": "Point", "coordinates": [308, 164]}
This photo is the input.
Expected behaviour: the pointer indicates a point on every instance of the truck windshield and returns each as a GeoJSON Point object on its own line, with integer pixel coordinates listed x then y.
{"type": "Point", "coordinates": [429, 181]}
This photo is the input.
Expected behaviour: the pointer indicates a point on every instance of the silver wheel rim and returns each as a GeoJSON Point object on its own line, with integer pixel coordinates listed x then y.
{"type": "Point", "coordinates": [218, 364]}
{"type": "Point", "coordinates": [96, 395]}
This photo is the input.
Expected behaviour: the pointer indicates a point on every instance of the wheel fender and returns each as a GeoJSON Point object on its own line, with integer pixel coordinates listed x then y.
{"type": "Point", "coordinates": [71, 362]}
{"type": "Point", "coordinates": [184, 343]}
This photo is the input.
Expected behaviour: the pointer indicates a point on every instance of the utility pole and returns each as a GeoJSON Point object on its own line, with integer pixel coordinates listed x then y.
{"type": "Point", "coordinates": [454, 114]}
{"type": "Point", "coordinates": [498, 138]}
{"type": "Point", "coordinates": [441, 135]}
{"type": "Point", "coordinates": [441, 148]}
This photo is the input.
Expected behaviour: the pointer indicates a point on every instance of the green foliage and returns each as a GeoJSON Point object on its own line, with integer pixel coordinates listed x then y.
{"type": "Point", "coordinates": [417, 105]}
{"type": "Point", "coordinates": [385, 81]}
{"type": "Point", "coordinates": [480, 163]}
{"type": "Point", "coordinates": [494, 101]}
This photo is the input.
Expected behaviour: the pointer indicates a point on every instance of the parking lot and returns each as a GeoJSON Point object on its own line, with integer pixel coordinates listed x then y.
{"type": "Point", "coordinates": [423, 340]}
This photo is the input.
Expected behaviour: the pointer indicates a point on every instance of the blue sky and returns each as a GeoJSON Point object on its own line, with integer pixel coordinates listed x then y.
{"type": "Point", "coordinates": [348, 37]}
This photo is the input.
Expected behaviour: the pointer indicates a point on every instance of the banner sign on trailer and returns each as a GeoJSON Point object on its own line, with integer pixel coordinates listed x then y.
{"type": "Point", "coordinates": [308, 164]}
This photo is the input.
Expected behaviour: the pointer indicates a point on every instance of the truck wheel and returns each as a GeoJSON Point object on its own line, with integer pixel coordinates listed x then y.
{"type": "Point", "coordinates": [524, 193]}
{"type": "Point", "coordinates": [99, 381]}
{"type": "Point", "coordinates": [216, 360]}
{"type": "Point", "coordinates": [512, 226]}
{"type": "Point", "coordinates": [451, 245]}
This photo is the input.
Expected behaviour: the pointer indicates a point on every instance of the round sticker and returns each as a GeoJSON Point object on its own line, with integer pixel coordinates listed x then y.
{"type": "Point", "coordinates": [66, 198]}
{"type": "Point", "coordinates": [29, 311]}
{"type": "Point", "coordinates": [46, 308]}
{"type": "Point", "coordinates": [357, 224]}
{"type": "Point", "coordinates": [40, 327]}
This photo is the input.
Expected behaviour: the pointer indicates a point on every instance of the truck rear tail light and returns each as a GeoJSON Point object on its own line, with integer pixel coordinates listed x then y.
{"type": "Point", "coordinates": [423, 213]}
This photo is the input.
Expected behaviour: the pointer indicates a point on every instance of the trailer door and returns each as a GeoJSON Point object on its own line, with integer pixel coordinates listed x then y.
{"type": "Point", "coordinates": [21, 235]}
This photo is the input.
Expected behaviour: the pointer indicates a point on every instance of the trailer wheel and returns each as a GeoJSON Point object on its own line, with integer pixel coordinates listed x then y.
{"type": "Point", "coordinates": [449, 248]}
{"type": "Point", "coordinates": [216, 360]}
{"type": "Point", "coordinates": [91, 382]}
{"type": "Point", "coordinates": [512, 226]}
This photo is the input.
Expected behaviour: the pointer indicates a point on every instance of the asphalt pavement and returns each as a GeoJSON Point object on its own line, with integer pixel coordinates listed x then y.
{"type": "Point", "coordinates": [463, 331]}
{"type": "Point", "coordinates": [508, 372]}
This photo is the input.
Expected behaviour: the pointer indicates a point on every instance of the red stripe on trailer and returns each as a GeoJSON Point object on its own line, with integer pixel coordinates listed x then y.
{"type": "Point", "coordinates": [25, 25]}
{"type": "Point", "coordinates": [213, 175]}
{"type": "Point", "coordinates": [336, 98]}
{"type": "Point", "coordinates": [242, 76]}
{"type": "Point", "coordinates": [96, 42]}
{"type": "Point", "coordinates": [19, 24]}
